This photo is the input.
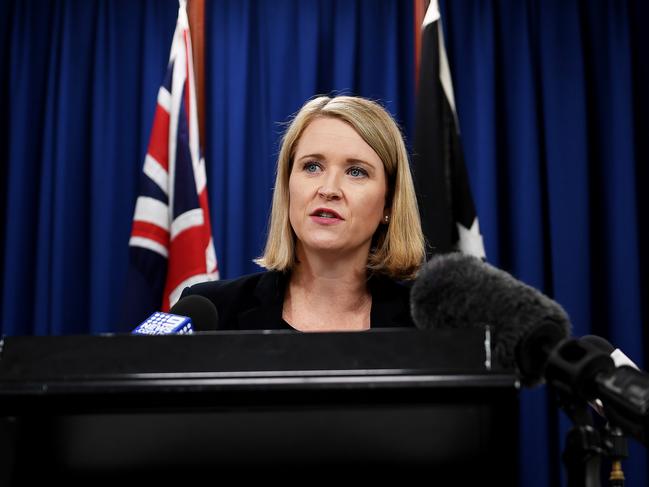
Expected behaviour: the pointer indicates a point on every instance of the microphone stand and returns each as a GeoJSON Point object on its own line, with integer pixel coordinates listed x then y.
{"type": "Point", "coordinates": [579, 371]}
{"type": "Point", "coordinates": [583, 450]}
{"type": "Point", "coordinates": [615, 444]}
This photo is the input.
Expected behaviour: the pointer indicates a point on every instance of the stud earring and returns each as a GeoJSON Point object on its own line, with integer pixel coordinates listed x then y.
{"type": "Point", "coordinates": [386, 218]}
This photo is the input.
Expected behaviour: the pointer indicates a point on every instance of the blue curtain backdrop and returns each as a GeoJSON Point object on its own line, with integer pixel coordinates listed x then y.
{"type": "Point", "coordinates": [80, 95]}
{"type": "Point", "coordinates": [553, 108]}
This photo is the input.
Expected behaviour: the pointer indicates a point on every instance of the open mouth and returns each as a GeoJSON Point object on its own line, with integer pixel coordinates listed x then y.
{"type": "Point", "coordinates": [326, 213]}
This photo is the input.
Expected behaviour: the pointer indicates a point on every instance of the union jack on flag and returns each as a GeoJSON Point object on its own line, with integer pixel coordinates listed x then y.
{"type": "Point", "coordinates": [171, 244]}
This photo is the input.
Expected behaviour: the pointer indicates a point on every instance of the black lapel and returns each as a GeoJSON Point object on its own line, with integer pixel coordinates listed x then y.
{"type": "Point", "coordinates": [268, 299]}
{"type": "Point", "coordinates": [390, 303]}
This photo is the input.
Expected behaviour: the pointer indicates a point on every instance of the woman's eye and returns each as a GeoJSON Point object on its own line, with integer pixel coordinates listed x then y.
{"type": "Point", "coordinates": [311, 167]}
{"type": "Point", "coordinates": [357, 172]}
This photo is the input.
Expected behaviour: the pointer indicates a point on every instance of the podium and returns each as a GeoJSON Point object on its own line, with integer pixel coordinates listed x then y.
{"type": "Point", "coordinates": [295, 407]}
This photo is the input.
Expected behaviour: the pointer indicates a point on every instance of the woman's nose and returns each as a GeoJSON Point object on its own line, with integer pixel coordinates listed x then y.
{"type": "Point", "coordinates": [329, 193]}
{"type": "Point", "coordinates": [330, 189]}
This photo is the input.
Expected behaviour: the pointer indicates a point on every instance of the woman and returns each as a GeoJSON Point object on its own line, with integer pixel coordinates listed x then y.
{"type": "Point", "coordinates": [344, 228]}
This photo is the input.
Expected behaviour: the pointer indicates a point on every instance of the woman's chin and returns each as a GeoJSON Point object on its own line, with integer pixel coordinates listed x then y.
{"type": "Point", "coordinates": [334, 247]}
{"type": "Point", "coordinates": [325, 247]}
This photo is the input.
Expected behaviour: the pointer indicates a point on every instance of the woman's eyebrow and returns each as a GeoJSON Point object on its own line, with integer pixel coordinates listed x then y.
{"type": "Point", "coordinates": [314, 156]}
{"type": "Point", "coordinates": [360, 161]}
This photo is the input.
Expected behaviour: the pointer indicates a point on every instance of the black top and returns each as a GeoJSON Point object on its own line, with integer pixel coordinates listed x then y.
{"type": "Point", "coordinates": [255, 301]}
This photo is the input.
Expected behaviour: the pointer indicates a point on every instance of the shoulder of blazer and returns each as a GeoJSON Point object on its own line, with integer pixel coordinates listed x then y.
{"type": "Point", "coordinates": [234, 297]}
{"type": "Point", "coordinates": [225, 288]}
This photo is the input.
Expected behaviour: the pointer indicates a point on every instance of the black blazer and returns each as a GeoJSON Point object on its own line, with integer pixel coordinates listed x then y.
{"type": "Point", "coordinates": [255, 301]}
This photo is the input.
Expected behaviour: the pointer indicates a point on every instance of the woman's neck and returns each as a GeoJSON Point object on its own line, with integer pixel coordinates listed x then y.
{"type": "Point", "coordinates": [330, 274]}
{"type": "Point", "coordinates": [336, 284]}
{"type": "Point", "coordinates": [327, 295]}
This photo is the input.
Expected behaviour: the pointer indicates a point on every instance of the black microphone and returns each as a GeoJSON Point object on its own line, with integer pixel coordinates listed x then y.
{"type": "Point", "coordinates": [618, 356]}
{"type": "Point", "coordinates": [190, 314]}
{"type": "Point", "coordinates": [201, 310]}
{"type": "Point", "coordinates": [461, 291]}
{"type": "Point", "coordinates": [592, 369]}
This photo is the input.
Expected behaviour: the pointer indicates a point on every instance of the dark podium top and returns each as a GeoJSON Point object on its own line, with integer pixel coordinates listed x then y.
{"type": "Point", "coordinates": [123, 408]}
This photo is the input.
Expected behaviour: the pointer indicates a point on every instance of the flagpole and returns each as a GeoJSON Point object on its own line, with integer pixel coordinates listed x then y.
{"type": "Point", "coordinates": [420, 7]}
{"type": "Point", "coordinates": [196, 15]}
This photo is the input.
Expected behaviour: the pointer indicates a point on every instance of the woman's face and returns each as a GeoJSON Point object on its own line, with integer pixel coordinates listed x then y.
{"type": "Point", "coordinates": [337, 189]}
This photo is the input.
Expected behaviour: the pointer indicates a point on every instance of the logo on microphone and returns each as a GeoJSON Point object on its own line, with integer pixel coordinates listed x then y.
{"type": "Point", "coordinates": [160, 323]}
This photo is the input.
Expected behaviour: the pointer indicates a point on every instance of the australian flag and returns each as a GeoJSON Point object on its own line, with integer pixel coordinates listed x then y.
{"type": "Point", "coordinates": [171, 243]}
{"type": "Point", "coordinates": [448, 214]}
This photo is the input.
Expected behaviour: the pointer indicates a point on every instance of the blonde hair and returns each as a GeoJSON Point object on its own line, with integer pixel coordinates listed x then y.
{"type": "Point", "coordinates": [397, 248]}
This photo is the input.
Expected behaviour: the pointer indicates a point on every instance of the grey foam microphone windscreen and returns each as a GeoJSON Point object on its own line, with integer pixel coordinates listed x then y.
{"type": "Point", "coordinates": [461, 291]}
